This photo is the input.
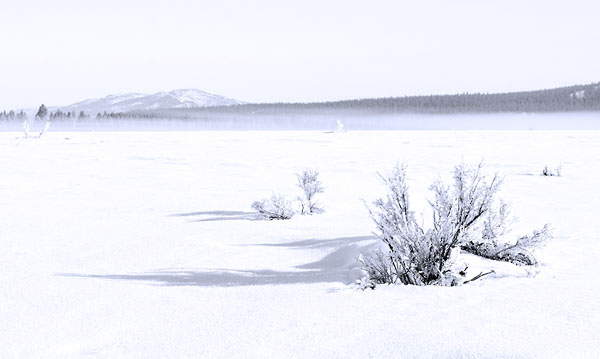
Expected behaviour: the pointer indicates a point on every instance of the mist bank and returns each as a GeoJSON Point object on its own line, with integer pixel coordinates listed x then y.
{"type": "Point", "coordinates": [503, 121]}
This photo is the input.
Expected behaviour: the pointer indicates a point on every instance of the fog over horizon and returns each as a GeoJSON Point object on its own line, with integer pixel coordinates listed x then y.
{"type": "Point", "coordinates": [331, 123]}
{"type": "Point", "coordinates": [66, 51]}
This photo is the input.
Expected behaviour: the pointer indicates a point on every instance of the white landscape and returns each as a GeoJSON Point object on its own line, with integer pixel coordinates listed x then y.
{"type": "Point", "coordinates": [300, 179]}
{"type": "Point", "coordinates": [143, 244]}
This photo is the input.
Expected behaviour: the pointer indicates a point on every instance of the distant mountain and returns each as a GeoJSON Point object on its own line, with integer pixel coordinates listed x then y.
{"type": "Point", "coordinates": [127, 102]}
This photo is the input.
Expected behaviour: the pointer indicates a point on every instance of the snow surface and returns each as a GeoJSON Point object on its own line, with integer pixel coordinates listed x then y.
{"type": "Point", "coordinates": [143, 245]}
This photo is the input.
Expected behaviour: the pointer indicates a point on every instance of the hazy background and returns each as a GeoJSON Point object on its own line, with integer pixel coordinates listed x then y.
{"type": "Point", "coordinates": [60, 52]}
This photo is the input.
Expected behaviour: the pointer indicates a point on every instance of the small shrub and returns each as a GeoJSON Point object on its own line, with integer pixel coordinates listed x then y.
{"type": "Point", "coordinates": [311, 186]}
{"type": "Point", "coordinates": [45, 129]}
{"type": "Point", "coordinates": [364, 284]}
{"type": "Point", "coordinates": [27, 129]}
{"type": "Point", "coordinates": [379, 268]}
{"type": "Point", "coordinates": [548, 172]}
{"type": "Point", "coordinates": [276, 207]}
{"type": "Point", "coordinates": [519, 253]}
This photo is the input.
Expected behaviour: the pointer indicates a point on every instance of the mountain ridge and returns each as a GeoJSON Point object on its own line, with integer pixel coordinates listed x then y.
{"type": "Point", "coordinates": [133, 101]}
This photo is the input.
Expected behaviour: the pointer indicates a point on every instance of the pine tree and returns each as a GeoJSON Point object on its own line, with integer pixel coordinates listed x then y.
{"type": "Point", "coordinates": [42, 113]}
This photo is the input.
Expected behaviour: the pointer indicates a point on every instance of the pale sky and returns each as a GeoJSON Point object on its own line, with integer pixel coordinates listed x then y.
{"type": "Point", "coordinates": [63, 51]}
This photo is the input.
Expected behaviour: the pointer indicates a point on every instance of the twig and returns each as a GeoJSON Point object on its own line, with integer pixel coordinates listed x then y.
{"type": "Point", "coordinates": [478, 276]}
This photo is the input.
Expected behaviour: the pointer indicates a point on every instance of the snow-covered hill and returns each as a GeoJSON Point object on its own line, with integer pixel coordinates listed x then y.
{"type": "Point", "coordinates": [160, 100]}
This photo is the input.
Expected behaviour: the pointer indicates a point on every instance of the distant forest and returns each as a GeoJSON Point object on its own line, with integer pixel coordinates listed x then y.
{"type": "Point", "coordinates": [565, 99]}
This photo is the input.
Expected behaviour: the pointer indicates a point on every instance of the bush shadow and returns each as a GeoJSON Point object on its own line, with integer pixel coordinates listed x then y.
{"type": "Point", "coordinates": [220, 216]}
{"type": "Point", "coordinates": [336, 266]}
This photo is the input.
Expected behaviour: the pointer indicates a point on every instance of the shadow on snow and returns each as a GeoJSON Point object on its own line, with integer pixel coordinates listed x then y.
{"type": "Point", "coordinates": [220, 216]}
{"type": "Point", "coordinates": [334, 267]}
{"type": "Point", "coordinates": [319, 243]}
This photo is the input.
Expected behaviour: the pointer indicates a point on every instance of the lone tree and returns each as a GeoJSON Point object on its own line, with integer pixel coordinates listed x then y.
{"type": "Point", "coordinates": [42, 113]}
{"type": "Point", "coordinates": [311, 186]}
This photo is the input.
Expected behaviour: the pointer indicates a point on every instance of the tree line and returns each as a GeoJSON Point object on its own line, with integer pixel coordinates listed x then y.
{"type": "Point", "coordinates": [12, 115]}
{"type": "Point", "coordinates": [564, 99]}
{"type": "Point", "coordinates": [43, 114]}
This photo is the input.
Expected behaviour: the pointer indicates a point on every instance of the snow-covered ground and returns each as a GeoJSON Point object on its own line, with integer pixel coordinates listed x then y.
{"type": "Point", "coordinates": [144, 245]}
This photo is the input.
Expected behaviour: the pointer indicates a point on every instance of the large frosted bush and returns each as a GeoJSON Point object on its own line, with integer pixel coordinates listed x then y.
{"type": "Point", "coordinates": [464, 215]}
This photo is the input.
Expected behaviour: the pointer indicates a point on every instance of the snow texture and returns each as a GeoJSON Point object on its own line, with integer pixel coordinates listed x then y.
{"type": "Point", "coordinates": [144, 245]}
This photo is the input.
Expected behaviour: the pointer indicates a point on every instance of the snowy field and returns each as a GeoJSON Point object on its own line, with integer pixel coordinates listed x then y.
{"type": "Point", "coordinates": [144, 245]}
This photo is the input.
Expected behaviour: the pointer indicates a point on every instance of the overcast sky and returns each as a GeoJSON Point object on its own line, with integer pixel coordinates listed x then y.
{"type": "Point", "coordinates": [60, 52]}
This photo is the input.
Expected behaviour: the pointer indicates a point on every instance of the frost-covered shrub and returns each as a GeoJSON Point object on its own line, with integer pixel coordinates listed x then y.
{"type": "Point", "coordinates": [311, 186]}
{"type": "Point", "coordinates": [45, 129]}
{"type": "Point", "coordinates": [548, 172]}
{"type": "Point", "coordinates": [519, 252]}
{"type": "Point", "coordinates": [27, 129]}
{"type": "Point", "coordinates": [464, 215]}
{"type": "Point", "coordinates": [276, 207]}
{"type": "Point", "coordinates": [423, 256]}
{"type": "Point", "coordinates": [364, 283]}
{"type": "Point", "coordinates": [379, 268]}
